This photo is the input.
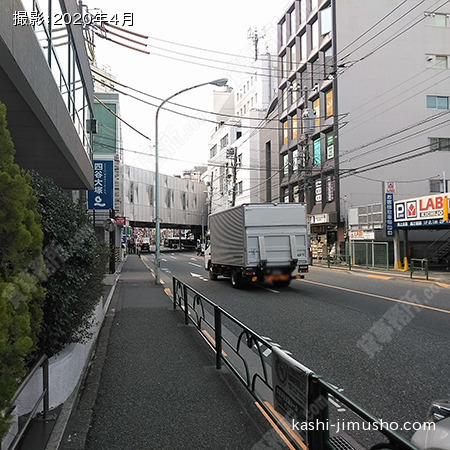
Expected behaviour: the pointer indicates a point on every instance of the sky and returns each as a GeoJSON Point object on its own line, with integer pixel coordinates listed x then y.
{"type": "Point", "coordinates": [213, 39]}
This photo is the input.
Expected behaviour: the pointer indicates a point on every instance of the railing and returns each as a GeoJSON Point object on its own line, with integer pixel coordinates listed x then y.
{"type": "Point", "coordinates": [44, 397]}
{"type": "Point", "coordinates": [418, 264]}
{"type": "Point", "coordinates": [249, 356]}
{"type": "Point", "coordinates": [339, 260]}
{"type": "Point", "coordinates": [439, 242]}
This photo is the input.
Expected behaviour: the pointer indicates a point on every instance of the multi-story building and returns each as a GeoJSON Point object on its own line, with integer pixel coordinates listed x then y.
{"type": "Point", "coordinates": [364, 93]}
{"type": "Point", "coordinates": [243, 162]}
{"type": "Point", "coordinates": [46, 84]}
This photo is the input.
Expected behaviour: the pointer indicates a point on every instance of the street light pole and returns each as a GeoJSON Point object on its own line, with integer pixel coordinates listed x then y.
{"type": "Point", "coordinates": [219, 82]}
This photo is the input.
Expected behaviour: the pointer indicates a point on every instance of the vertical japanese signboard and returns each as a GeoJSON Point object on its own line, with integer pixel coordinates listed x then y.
{"type": "Point", "coordinates": [102, 196]}
{"type": "Point", "coordinates": [389, 214]}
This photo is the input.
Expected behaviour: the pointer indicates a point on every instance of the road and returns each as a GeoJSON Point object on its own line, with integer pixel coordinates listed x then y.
{"type": "Point", "coordinates": [362, 334]}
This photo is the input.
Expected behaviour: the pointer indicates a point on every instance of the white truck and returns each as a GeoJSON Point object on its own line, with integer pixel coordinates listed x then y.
{"type": "Point", "coordinates": [264, 242]}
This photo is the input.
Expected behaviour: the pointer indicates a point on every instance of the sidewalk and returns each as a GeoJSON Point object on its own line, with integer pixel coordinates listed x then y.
{"type": "Point", "coordinates": [434, 276]}
{"type": "Point", "coordinates": [153, 384]}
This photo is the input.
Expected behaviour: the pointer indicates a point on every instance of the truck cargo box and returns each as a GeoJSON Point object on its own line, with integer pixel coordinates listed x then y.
{"type": "Point", "coordinates": [266, 234]}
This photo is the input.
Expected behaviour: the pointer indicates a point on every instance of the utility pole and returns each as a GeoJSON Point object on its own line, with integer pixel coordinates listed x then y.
{"type": "Point", "coordinates": [253, 35]}
{"type": "Point", "coordinates": [308, 129]}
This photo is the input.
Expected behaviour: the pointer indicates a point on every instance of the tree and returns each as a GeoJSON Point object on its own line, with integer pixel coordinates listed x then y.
{"type": "Point", "coordinates": [76, 259]}
{"type": "Point", "coordinates": [21, 272]}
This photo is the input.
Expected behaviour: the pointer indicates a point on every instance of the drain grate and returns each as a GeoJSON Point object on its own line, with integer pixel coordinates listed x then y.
{"type": "Point", "coordinates": [339, 443]}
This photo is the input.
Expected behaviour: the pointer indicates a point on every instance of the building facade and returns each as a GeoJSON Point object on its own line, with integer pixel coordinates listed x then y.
{"type": "Point", "coordinates": [46, 84]}
{"type": "Point", "coordinates": [363, 101]}
{"type": "Point", "coordinates": [239, 168]}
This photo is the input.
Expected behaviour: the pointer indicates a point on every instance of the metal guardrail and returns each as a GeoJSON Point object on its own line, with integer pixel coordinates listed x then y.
{"type": "Point", "coordinates": [248, 356]}
{"type": "Point", "coordinates": [418, 264]}
{"type": "Point", "coordinates": [44, 397]}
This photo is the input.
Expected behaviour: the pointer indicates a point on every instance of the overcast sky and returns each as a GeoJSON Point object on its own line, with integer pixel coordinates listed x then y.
{"type": "Point", "coordinates": [180, 30]}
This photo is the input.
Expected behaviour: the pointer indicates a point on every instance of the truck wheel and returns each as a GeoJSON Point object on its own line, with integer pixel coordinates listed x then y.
{"type": "Point", "coordinates": [212, 274]}
{"type": "Point", "coordinates": [236, 279]}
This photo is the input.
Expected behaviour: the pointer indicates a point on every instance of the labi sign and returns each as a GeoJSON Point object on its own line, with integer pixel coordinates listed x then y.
{"type": "Point", "coordinates": [421, 211]}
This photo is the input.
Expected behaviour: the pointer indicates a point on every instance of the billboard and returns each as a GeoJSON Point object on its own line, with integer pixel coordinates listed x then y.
{"type": "Point", "coordinates": [102, 196]}
{"type": "Point", "coordinates": [421, 211]}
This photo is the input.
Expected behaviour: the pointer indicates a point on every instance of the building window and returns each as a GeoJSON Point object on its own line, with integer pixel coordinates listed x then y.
{"type": "Point", "coordinates": [302, 10]}
{"type": "Point", "coordinates": [284, 94]}
{"type": "Point", "coordinates": [329, 63]}
{"type": "Point", "coordinates": [317, 160]}
{"type": "Point", "coordinates": [329, 139]}
{"type": "Point", "coordinates": [284, 65]}
{"type": "Point", "coordinates": [437, 102]}
{"type": "Point", "coordinates": [240, 188]}
{"type": "Point", "coordinates": [295, 161]}
{"type": "Point", "coordinates": [296, 193]}
{"type": "Point", "coordinates": [433, 19]}
{"type": "Point", "coordinates": [437, 61]}
{"type": "Point", "coordinates": [294, 126]}
{"type": "Point", "coordinates": [316, 108]}
{"type": "Point", "coordinates": [294, 91]}
{"type": "Point", "coordinates": [316, 72]}
{"type": "Point", "coordinates": [437, 186]}
{"type": "Point", "coordinates": [325, 19]}
{"type": "Point", "coordinates": [224, 141]}
{"type": "Point", "coordinates": [283, 33]}
{"type": "Point", "coordinates": [291, 20]}
{"type": "Point", "coordinates": [440, 144]}
{"type": "Point", "coordinates": [315, 34]}
{"type": "Point", "coordinates": [303, 48]}
{"type": "Point", "coordinates": [329, 104]}
{"type": "Point", "coordinates": [213, 151]}
{"type": "Point", "coordinates": [285, 132]}
{"type": "Point", "coordinates": [286, 165]}
{"type": "Point", "coordinates": [293, 57]}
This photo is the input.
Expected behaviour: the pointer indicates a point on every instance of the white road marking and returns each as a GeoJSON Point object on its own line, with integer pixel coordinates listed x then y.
{"type": "Point", "coordinates": [270, 290]}
{"type": "Point", "coordinates": [195, 275]}
{"type": "Point", "coordinates": [193, 264]}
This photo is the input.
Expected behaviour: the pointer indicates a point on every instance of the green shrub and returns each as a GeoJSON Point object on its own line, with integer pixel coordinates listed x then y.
{"type": "Point", "coordinates": [21, 272]}
{"type": "Point", "coordinates": [76, 260]}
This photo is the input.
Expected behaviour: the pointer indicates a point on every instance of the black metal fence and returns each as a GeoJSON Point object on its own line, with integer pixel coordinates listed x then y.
{"type": "Point", "coordinates": [249, 356]}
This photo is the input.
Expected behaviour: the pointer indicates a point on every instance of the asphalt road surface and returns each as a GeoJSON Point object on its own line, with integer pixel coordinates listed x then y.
{"type": "Point", "coordinates": [383, 342]}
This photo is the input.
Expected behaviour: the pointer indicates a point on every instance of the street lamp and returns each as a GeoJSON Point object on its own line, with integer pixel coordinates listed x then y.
{"type": "Point", "coordinates": [220, 82]}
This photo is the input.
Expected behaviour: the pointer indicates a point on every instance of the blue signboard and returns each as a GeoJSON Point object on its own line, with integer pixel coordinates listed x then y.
{"type": "Point", "coordinates": [389, 214]}
{"type": "Point", "coordinates": [102, 196]}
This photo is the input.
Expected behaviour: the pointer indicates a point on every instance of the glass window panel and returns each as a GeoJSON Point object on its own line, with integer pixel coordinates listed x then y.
{"type": "Point", "coordinates": [325, 20]}
{"type": "Point", "coordinates": [294, 126]}
{"type": "Point", "coordinates": [315, 34]}
{"type": "Point", "coordinates": [442, 102]}
{"type": "Point", "coordinates": [329, 103]}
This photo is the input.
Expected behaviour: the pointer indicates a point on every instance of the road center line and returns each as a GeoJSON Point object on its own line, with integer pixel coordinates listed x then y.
{"type": "Point", "coordinates": [396, 300]}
